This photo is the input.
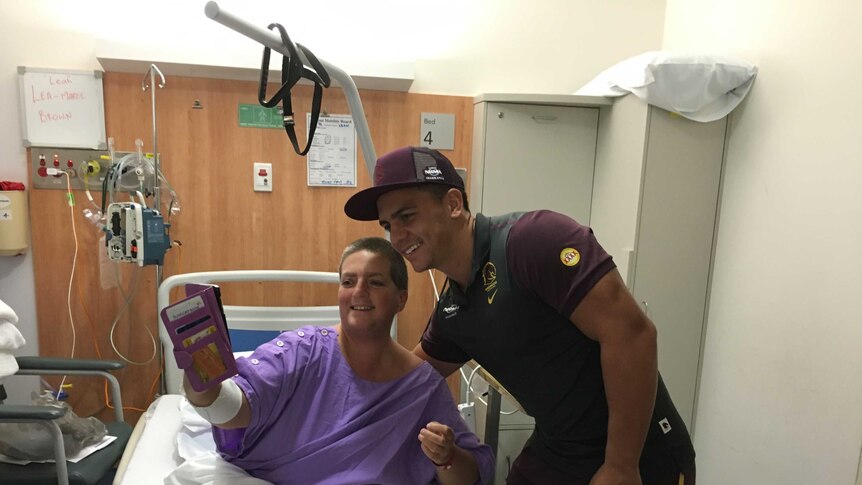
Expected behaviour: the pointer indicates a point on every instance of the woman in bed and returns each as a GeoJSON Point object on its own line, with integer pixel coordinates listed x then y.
{"type": "Point", "coordinates": [346, 404]}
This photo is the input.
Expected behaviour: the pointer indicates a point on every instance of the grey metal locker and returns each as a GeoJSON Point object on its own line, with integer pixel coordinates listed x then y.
{"type": "Point", "coordinates": [662, 238]}
{"type": "Point", "coordinates": [531, 151]}
{"type": "Point", "coordinates": [534, 152]}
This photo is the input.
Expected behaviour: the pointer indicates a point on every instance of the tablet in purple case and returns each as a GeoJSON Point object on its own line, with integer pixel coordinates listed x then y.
{"type": "Point", "coordinates": [196, 325]}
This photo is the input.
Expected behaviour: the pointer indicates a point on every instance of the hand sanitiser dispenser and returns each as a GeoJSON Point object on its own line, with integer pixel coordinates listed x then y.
{"type": "Point", "coordinates": [14, 219]}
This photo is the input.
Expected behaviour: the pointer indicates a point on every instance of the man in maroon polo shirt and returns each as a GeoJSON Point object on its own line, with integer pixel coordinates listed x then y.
{"type": "Point", "coordinates": [534, 299]}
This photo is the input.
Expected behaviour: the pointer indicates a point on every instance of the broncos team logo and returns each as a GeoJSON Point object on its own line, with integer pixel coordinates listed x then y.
{"type": "Point", "coordinates": [489, 280]}
{"type": "Point", "coordinates": [570, 256]}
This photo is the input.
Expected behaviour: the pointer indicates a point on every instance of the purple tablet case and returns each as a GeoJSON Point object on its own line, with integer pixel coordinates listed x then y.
{"type": "Point", "coordinates": [196, 325]}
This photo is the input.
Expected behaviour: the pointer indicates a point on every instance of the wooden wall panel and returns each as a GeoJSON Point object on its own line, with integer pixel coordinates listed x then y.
{"type": "Point", "coordinates": [223, 224]}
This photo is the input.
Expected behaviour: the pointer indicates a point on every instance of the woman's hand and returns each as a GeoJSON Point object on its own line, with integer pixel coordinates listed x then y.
{"type": "Point", "coordinates": [455, 465]}
{"type": "Point", "coordinates": [438, 443]}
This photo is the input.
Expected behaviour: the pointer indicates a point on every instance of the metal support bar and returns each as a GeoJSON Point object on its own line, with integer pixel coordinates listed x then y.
{"type": "Point", "coordinates": [114, 383]}
{"type": "Point", "coordinates": [57, 445]}
{"type": "Point", "coordinates": [492, 422]}
{"type": "Point", "coordinates": [269, 39]}
{"type": "Point", "coordinates": [59, 452]}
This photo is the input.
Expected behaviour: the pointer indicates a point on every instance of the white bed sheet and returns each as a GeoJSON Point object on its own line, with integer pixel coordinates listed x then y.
{"type": "Point", "coordinates": [177, 448]}
{"type": "Point", "coordinates": [155, 453]}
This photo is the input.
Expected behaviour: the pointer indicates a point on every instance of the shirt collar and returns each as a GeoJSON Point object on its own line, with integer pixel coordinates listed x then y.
{"type": "Point", "coordinates": [481, 248]}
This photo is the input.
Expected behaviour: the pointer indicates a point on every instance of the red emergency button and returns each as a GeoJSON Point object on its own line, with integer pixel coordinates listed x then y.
{"type": "Point", "coordinates": [262, 172]}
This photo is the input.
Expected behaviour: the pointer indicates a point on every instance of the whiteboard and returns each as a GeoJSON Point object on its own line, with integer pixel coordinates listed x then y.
{"type": "Point", "coordinates": [62, 108]}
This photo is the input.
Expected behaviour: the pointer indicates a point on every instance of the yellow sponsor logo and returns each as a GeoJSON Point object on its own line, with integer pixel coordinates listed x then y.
{"type": "Point", "coordinates": [489, 280]}
{"type": "Point", "coordinates": [570, 256]}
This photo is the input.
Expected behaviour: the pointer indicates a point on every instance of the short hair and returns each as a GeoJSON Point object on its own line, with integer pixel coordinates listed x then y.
{"type": "Point", "coordinates": [440, 191]}
{"type": "Point", "coordinates": [380, 247]}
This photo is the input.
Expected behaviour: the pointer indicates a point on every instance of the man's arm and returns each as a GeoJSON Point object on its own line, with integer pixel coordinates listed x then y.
{"type": "Point", "coordinates": [627, 338]}
{"type": "Point", "coordinates": [444, 368]}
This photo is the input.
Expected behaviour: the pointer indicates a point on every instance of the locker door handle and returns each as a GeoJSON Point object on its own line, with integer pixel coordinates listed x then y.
{"type": "Point", "coordinates": [544, 118]}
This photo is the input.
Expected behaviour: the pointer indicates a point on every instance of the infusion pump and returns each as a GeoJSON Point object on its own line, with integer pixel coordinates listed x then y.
{"type": "Point", "coordinates": [136, 233]}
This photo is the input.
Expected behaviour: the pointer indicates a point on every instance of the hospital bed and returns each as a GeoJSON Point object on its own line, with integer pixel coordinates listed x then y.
{"type": "Point", "coordinates": [153, 452]}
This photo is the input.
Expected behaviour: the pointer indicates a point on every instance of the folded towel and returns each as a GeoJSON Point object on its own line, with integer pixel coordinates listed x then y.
{"type": "Point", "coordinates": [8, 365]}
{"type": "Point", "coordinates": [7, 314]}
{"type": "Point", "coordinates": [10, 337]}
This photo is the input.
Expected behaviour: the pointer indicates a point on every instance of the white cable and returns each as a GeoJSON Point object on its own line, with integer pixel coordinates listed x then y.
{"type": "Point", "coordinates": [88, 194]}
{"type": "Point", "coordinates": [470, 384]}
{"type": "Point", "coordinates": [434, 284]}
{"type": "Point", "coordinates": [461, 369]}
{"type": "Point", "coordinates": [470, 390]}
{"type": "Point", "coordinates": [128, 301]}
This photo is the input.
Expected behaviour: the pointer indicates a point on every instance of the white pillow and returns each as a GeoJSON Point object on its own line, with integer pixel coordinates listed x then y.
{"type": "Point", "coordinates": [699, 87]}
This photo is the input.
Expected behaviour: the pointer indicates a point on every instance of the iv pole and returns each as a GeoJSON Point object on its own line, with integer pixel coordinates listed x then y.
{"type": "Point", "coordinates": [269, 39]}
{"type": "Point", "coordinates": [151, 85]}
{"type": "Point", "coordinates": [152, 71]}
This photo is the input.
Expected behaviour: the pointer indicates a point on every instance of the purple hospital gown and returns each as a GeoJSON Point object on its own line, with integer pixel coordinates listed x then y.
{"type": "Point", "coordinates": [315, 422]}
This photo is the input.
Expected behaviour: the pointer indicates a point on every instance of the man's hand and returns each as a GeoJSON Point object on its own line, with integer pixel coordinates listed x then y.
{"type": "Point", "coordinates": [438, 442]}
{"type": "Point", "coordinates": [610, 475]}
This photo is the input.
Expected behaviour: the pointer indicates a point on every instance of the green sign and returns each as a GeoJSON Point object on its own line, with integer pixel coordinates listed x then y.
{"type": "Point", "coordinates": [256, 116]}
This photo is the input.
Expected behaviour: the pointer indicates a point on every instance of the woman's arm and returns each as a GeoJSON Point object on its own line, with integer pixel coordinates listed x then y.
{"type": "Point", "coordinates": [455, 465]}
{"type": "Point", "coordinates": [206, 399]}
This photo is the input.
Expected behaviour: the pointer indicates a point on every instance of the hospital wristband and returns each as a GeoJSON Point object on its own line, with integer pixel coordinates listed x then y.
{"type": "Point", "coordinates": [225, 407]}
{"type": "Point", "coordinates": [448, 463]}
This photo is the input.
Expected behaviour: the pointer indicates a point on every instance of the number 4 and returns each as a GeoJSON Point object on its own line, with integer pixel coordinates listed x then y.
{"type": "Point", "coordinates": [428, 138]}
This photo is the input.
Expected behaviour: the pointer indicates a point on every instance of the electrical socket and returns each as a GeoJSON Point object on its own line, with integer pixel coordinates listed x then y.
{"type": "Point", "coordinates": [78, 162]}
{"type": "Point", "coordinates": [262, 177]}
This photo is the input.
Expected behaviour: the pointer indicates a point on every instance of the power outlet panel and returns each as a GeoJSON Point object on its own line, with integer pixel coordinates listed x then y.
{"type": "Point", "coordinates": [262, 177]}
{"type": "Point", "coordinates": [86, 168]}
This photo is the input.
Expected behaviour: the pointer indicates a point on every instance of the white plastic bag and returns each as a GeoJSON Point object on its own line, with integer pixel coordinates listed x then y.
{"type": "Point", "coordinates": [33, 441]}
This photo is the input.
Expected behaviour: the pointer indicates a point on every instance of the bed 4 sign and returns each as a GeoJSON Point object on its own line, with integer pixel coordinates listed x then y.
{"type": "Point", "coordinates": [437, 130]}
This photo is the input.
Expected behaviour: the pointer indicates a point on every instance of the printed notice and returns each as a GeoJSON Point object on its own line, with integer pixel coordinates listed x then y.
{"type": "Point", "coordinates": [332, 156]}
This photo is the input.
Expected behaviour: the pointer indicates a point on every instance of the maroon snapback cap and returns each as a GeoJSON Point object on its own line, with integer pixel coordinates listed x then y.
{"type": "Point", "coordinates": [398, 169]}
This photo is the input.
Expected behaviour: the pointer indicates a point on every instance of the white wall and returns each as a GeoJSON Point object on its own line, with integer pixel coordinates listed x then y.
{"type": "Point", "coordinates": [455, 47]}
{"type": "Point", "coordinates": [781, 391]}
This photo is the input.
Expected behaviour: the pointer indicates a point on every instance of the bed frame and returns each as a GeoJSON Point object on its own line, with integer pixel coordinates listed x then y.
{"type": "Point", "coordinates": [152, 447]}
{"type": "Point", "coordinates": [266, 318]}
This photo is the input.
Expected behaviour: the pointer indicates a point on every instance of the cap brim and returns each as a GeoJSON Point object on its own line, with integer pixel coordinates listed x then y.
{"type": "Point", "coordinates": [362, 206]}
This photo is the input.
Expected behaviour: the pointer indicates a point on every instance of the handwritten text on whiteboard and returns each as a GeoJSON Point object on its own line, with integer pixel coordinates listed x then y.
{"type": "Point", "coordinates": [60, 88]}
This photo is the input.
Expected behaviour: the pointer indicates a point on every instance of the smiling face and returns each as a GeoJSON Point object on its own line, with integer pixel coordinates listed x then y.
{"type": "Point", "coordinates": [368, 299]}
{"type": "Point", "coordinates": [419, 223]}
